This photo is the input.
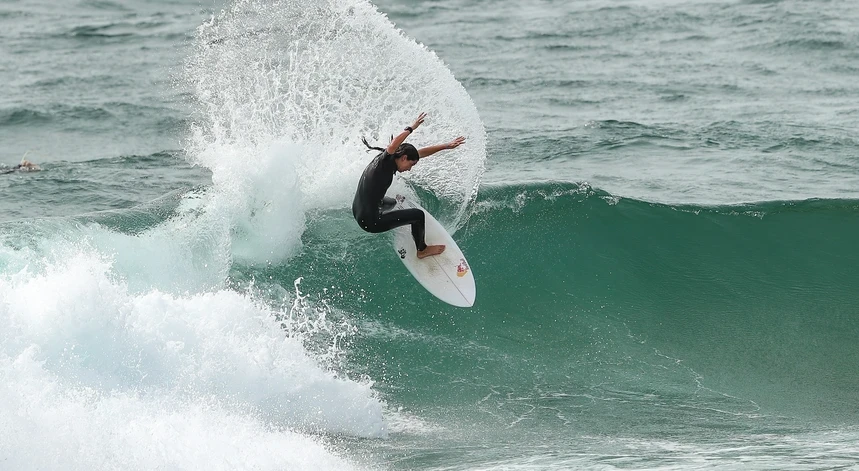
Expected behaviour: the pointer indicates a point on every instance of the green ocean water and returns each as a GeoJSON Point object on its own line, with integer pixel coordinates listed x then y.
{"type": "Point", "coordinates": [600, 316]}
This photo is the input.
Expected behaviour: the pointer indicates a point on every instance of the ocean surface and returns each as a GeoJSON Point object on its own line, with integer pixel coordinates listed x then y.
{"type": "Point", "coordinates": [659, 201]}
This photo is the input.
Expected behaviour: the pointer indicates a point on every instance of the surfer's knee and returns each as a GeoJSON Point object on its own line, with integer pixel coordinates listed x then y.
{"type": "Point", "coordinates": [371, 226]}
{"type": "Point", "coordinates": [363, 224]}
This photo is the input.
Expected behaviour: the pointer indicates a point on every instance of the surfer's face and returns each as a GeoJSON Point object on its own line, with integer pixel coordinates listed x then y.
{"type": "Point", "coordinates": [404, 164]}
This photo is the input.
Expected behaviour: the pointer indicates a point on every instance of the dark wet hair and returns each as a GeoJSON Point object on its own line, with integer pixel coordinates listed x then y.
{"type": "Point", "coordinates": [410, 151]}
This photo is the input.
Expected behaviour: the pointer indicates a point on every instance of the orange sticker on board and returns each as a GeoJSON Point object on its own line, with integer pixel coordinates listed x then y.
{"type": "Point", "coordinates": [462, 268]}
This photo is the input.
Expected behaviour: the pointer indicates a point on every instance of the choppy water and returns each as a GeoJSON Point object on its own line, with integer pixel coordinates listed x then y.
{"type": "Point", "coordinates": [658, 199]}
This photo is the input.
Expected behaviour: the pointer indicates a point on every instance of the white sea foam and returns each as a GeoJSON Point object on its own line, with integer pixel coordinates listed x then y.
{"type": "Point", "coordinates": [296, 84]}
{"type": "Point", "coordinates": [51, 423]}
{"type": "Point", "coordinates": [83, 359]}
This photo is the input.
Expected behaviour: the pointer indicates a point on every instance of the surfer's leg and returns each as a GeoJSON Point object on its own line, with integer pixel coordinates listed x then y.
{"type": "Point", "coordinates": [417, 219]}
{"type": "Point", "coordinates": [401, 217]}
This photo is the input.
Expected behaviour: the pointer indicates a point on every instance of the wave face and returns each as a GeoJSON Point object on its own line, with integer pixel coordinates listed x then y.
{"type": "Point", "coordinates": [606, 316]}
{"type": "Point", "coordinates": [754, 301]}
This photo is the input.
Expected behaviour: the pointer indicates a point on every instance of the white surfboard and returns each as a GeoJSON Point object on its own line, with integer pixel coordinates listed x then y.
{"type": "Point", "coordinates": [446, 276]}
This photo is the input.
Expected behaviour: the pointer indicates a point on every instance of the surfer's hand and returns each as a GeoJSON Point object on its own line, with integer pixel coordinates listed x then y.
{"type": "Point", "coordinates": [455, 143]}
{"type": "Point", "coordinates": [418, 121]}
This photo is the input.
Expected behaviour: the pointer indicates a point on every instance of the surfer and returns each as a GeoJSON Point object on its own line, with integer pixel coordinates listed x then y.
{"type": "Point", "coordinates": [24, 166]}
{"type": "Point", "coordinates": [371, 208]}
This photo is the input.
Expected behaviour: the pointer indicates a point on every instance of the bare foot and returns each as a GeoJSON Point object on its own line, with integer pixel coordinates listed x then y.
{"type": "Point", "coordinates": [430, 251]}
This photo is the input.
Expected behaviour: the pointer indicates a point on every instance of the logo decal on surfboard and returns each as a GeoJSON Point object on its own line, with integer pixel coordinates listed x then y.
{"type": "Point", "coordinates": [462, 268]}
{"type": "Point", "coordinates": [402, 253]}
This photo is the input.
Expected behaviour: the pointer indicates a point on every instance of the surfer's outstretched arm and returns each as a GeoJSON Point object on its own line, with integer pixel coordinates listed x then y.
{"type": "Point", "coordinates": [428, 151]}
{"type": "Point", "coordinates": [392, 147]}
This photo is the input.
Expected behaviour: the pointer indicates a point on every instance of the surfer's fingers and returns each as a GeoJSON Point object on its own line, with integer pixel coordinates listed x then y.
{"type": "Point", "coordinates": [419, 121]}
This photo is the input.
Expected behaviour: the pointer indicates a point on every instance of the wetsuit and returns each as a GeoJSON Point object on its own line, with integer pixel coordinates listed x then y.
{"type": "Point", "coordinates": [371, 207]}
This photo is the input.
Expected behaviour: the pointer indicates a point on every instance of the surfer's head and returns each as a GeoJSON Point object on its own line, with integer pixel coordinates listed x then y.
{"type": "Point", "coordinates": [406, 157]}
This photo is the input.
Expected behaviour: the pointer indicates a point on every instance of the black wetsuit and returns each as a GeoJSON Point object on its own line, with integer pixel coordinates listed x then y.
{"type": "Point", "coordinates": [371, 207]}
